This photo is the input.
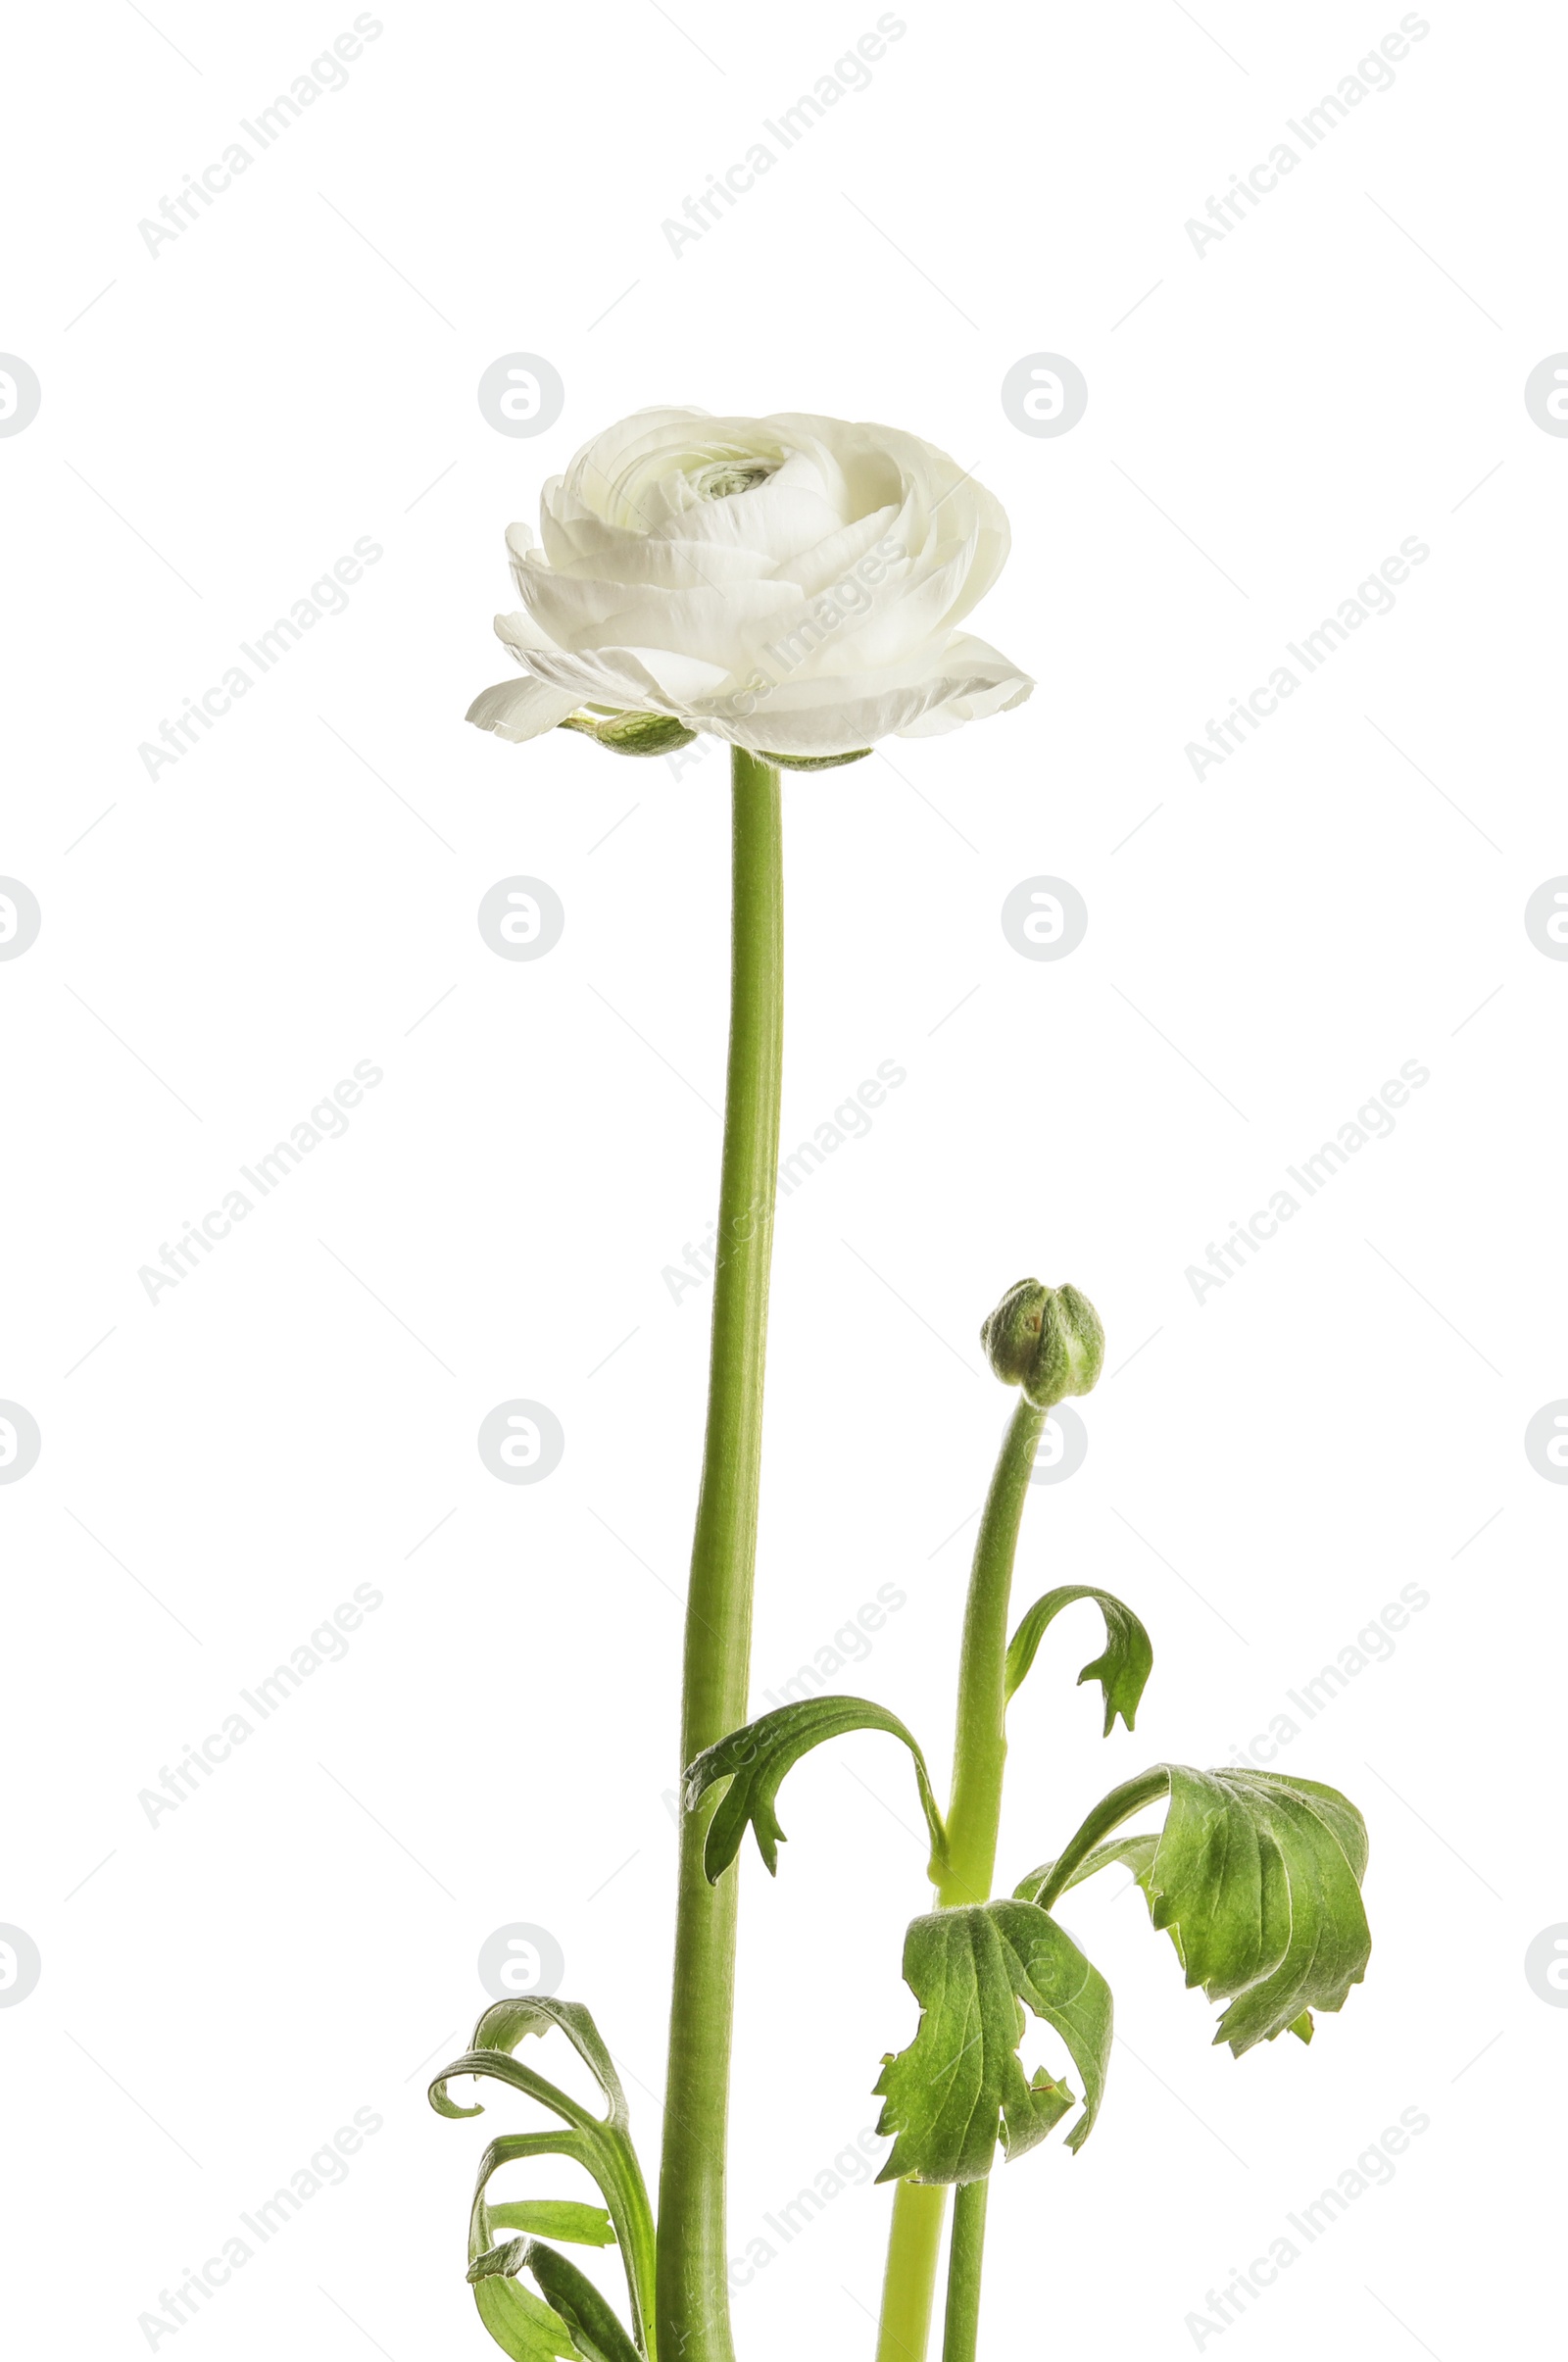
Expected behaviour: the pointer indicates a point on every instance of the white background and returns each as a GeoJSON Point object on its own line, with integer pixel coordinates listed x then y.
{"type": "Point", "coordinates": [296, 371]}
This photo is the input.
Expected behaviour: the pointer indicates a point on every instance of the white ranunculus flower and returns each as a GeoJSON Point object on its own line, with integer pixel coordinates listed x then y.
{"type": "Point", "coordinates": [795, 586]}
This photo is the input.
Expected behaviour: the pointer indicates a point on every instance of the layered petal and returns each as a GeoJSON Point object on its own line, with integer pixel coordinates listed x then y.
{"type": "Point", "coordinates": [792, 584]}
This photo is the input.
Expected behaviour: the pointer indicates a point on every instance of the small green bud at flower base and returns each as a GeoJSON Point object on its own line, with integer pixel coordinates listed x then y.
{"type": "Point", "coordinates": [1047, 1340]}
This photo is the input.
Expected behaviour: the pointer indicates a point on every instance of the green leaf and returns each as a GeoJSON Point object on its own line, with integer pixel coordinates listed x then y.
{"type": "Point", "coordinates": [507, 2023]}
{"type": "Point", "coordinates": [960, 2086]}
{"type": "Point", "coordinates": [814, 763]}
{"type": "Point", "coordinates": [600, 2144]}
{"type": "Point", "coordinates": [1258, 1879]}
{"type": "Point", "coordinates": [1121, 1669]}
{"type": "Point", "coordinates": [572, 2298]}
{"type": "Point", "coordinates": [522, 2325]}
{"type": "Point", "coordinates": [631, 733]}
{"type": "Point", "coordinates": [556, 2218]}
{"type": "Point", "coordinates": [755, 1759]}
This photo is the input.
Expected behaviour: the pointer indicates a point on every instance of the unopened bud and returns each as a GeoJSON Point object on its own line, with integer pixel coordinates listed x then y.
{"type": "Point", "coordinates": [631, 733]}
{"type": "Point", "coordinates": [1047, 1340]}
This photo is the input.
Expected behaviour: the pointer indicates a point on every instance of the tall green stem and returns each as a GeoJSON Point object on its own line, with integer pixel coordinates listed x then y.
{"type": "Point", "coordinates": [693, 2285]}
{"type": "Point", "coordinates": [979, 1756]}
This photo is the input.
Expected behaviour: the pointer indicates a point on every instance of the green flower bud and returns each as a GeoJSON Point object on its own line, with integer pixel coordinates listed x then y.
{"type": "Point", "coordinates": [1047, 1340]}
{"type": "Point", "coordinates": [631, 733]}
{"type": "Point", "coordinates": [814, 763]}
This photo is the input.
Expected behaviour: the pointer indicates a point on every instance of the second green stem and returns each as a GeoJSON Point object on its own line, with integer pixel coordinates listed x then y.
{"type": "Point", "coordinates": [974, 1818]}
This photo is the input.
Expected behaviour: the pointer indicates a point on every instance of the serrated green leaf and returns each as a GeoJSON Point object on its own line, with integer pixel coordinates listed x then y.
{"type": "Point", "coordinates": [959, 2086]}
{"type": "Point", "coordinates": [573, 2300]}
{"type": "Point", "coordinates": [1121, 1669]}
{"type": "Point", "coordinates": [1258, 1879]}
{"type": "Point", "coordinates": [755, 1759]}
{"type": "Point", "coordinates": [556, 2218]}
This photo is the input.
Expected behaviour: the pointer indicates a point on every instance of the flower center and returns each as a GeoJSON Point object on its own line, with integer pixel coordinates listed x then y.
{"type": "Point", "coordinates": [724, 476]}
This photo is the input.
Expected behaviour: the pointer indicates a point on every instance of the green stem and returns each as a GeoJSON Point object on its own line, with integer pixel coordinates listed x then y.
{"type": "Point", "coordinates": [961, 2328]}
{"type": "Point", "coordinates": [980, 1742]}
{"type": "Point", "coordinates": [979, 1757]}
{"type": "Point", "coordinates": [693, 2266]}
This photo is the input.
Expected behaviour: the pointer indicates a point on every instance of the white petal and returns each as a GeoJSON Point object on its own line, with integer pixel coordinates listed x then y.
{"type": "Point", "coordinates": [945, 685]}
{"type": "Point", "coordinates": [521, 709]}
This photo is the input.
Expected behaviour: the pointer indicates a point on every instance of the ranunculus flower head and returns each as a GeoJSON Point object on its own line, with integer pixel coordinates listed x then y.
{"type": "Point", "coordinates": [795, 585]}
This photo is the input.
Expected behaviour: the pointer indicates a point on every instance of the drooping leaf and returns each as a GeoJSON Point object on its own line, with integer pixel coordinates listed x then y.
{"type": "Point", "coordinates": [572, 2297]}
{"type": "Point", "coordinates": [959, 2086]}
{"type": "Point", "coordinates": [1121, 1669]}
{"type": "Point", "coordinates": [755, 1759]}
{"type": "Point", "coordinates": [556, 2218]}
{"type": "Point", "coordinates": [1258, 1879]}
{"type": "Point", "coordinates": [600, 2144]}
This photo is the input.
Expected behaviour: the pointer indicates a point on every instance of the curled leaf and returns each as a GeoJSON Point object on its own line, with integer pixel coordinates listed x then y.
{"type": "Point", "coordinates": [960, 2086]}
{"type": "Point", "coordinates": [755, 1759]}
{"type": "Point", "coordinates": [1122, 1667]}
{"type": "Point", "coordinates": [600, 2144]}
